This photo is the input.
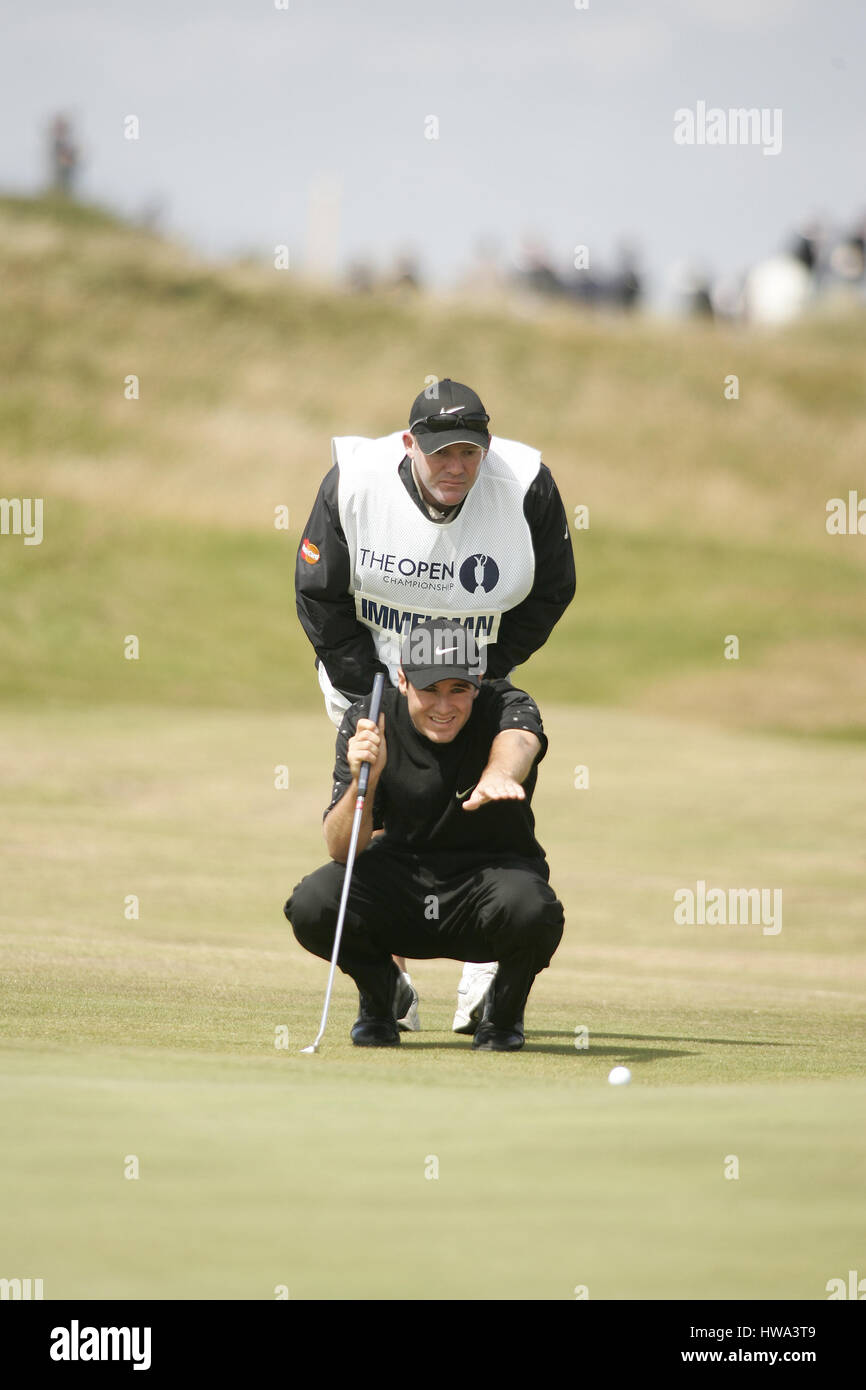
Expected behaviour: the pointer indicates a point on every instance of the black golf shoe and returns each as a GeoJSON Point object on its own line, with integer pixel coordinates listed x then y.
{"type": "Point", "coordinates": [372, 1028]}
{"type": "Point", "coordinates": [501, 1025]}
{"type": "Point", "coordinates": [489, 1038]}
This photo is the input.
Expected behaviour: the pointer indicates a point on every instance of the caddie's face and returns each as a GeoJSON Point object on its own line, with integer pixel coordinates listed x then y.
{"type": "Point", "coordinates": [447, 475]}
{"type": "Point", "coordinates": [438, 711]}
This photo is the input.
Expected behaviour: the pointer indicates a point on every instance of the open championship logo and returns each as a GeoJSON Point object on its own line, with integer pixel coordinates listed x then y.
{"type": "Point", "coordinates": [479, 574]}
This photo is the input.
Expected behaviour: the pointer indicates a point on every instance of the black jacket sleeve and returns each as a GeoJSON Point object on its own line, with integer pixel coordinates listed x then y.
{"type": "Point", "coordinates": [525, 628]}
{"type": "Point", "coordinates": [507, 707]}
{"type": "Point", "coordinates": [325, 605]}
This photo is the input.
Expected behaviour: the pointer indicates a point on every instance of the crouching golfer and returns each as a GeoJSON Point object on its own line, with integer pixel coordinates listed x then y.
{"type": "Point", "coordinates": [458, 871]}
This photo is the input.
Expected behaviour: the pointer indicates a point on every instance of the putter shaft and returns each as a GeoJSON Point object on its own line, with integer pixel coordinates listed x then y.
{"type": "Point", "coordinates": [363, 779]}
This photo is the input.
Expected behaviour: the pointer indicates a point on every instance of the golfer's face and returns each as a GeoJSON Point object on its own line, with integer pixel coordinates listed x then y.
{"type": "Point", "coordinates": [447, 475]}
{"type": "Point", "coordinates": [439, 711]}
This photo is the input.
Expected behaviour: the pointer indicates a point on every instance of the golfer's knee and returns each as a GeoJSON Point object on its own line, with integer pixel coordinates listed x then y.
{"type": "Point", "coordinates": [544, 932]}
{"type": "Point", "coordinates": [535, 920]}
{"type": "Point", "coordinates": [549, 935]}
{"type": "Point", "coordinates": [305, 910]}
{"type": "Point", "coordinates": [531, 905]}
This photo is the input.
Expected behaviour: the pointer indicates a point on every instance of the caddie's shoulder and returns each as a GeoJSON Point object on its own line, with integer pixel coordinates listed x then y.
{"type": "Point", "coordinates": [352, 452]}
{"type": "Point", "coordinates": [545, 483]}
{"type": "Point", "coordinates": [344, 446]}
{"type": "Point", "coordinates": [511, 456]}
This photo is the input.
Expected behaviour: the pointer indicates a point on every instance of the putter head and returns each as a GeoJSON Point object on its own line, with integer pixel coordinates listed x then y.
{"type": "Point", "coordinates": [311, 1049]}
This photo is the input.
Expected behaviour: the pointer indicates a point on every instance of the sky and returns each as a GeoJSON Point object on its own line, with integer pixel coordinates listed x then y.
{"type": "Point", "coordinates": [307, 125]}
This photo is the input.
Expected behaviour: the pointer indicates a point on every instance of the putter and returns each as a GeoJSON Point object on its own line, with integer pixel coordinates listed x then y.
{"type": "Point", "coordinates": [363, 779]}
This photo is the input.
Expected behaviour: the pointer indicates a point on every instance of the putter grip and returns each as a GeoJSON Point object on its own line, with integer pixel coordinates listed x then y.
{"type": "Point", "coordinates": [375, 706]}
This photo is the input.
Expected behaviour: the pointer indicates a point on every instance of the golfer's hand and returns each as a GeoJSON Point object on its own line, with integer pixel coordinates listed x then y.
{"type": "Point", "coordinates": [367, 745]}
{"type": "Point", "coordinates": [494, 786]}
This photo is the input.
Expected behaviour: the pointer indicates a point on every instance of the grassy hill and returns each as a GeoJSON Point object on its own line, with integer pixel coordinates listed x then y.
{"type": "Point", "coordinates": [707, 515]}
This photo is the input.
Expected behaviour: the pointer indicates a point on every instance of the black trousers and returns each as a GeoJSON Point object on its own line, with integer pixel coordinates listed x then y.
{"type": "Point", "coordinates": [423, 907]}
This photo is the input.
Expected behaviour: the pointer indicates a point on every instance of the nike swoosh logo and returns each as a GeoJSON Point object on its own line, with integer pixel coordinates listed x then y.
{"type": "Point", "coordinates": [441, 651]}
{"type": "Point", "coordinates": [460, 795]}
{"type": "Point", "coordinates": [451, 409]}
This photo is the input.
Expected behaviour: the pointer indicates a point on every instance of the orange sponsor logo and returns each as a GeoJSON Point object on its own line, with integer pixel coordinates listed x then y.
{"type": "Point", "coordinates": [309, 551]}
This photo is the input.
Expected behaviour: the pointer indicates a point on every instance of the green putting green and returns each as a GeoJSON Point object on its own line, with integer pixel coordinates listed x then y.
{"type": "Point", "coordinates": [428, 1171]}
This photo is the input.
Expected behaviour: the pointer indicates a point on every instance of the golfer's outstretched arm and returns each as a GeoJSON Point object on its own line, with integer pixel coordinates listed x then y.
{"type": "Point", "coordinates": [512, 754]}
{"type": "Point", "coordinates": [367, 745]}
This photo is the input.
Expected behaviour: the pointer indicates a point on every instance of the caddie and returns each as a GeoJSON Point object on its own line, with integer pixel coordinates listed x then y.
{"type": "Point", "coordinates": [443, 519]}
{"type": "Point", "coordinates": [457, 871]}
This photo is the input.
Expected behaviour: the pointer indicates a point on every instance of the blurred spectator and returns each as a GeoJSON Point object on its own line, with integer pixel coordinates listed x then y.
{"type": "Point", "coordinates": [857, 239]}
{"type": "Point", "coordinates": [691, 291]}
{"type": "Point", "coordinates": [534, 271]}
{"type": "Point", "coordinates": [625, 286]}
{"type": "Point", "coordinates": [620, 289]}
{"type": "Point", "coordinates": [848, 258]}
{"type": "Point", "coordinates": [407, 275]}
{"type": "Point", "coordinates": [359, 277]}
{"type": "Point", "coordinates": [728, 296]}
{"type": "Point", "coordinates": [585, 287]}
{"type": "Point", "coordinates": [63, 156]}
{"type": "Point", "coordinates": [702, 301]}
{"type": "Point", "coordinates": [804, 248]}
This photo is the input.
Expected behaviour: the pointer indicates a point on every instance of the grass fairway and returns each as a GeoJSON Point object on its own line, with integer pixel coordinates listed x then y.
{"type": "Point", "coordinates": [260, 1167]}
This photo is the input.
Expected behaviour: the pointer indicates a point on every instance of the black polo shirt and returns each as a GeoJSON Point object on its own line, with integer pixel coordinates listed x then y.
{"type": "Point", "coordinates": [420, 795]}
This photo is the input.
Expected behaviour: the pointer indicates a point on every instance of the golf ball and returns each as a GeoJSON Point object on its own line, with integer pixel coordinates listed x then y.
{"type": "Point", "coordinates": [620, 1076]}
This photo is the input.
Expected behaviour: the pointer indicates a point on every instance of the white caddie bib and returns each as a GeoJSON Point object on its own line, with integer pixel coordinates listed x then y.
{"type": "Point", "coordinates": [406, 567]}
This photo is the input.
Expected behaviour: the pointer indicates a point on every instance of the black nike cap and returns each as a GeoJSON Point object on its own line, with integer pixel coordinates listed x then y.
{"type": "Point", "coordinates": [448, 412]}
{"type": "Point", "coordinates": [439, 649]}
